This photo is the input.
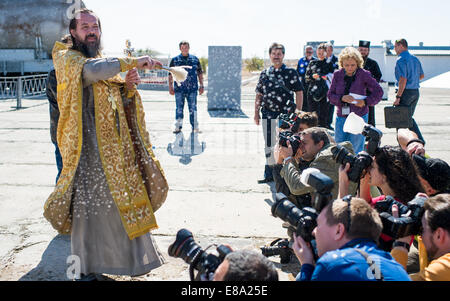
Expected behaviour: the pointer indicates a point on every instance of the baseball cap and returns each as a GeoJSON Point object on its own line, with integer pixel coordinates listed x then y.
{"type": "Point", "coordinates": [435, 171]}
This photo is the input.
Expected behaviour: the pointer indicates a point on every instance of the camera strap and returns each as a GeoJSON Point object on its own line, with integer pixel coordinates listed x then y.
{"type": "Point", "coordinates": [375, 270]}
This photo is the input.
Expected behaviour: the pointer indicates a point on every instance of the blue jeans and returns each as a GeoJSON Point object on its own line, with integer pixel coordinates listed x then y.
{"type": "Point", "coordinates": [191, 98]}
{"type": "Point", "coordinates": [341, 136]}
{"type": "Point", "coordinates": [409, 98]}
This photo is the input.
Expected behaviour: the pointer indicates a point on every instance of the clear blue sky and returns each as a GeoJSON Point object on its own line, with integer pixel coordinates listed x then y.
{"type": "Point", "coordinates": [255, 24]}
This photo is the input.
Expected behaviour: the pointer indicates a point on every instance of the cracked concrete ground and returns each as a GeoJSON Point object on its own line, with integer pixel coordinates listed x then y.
{"type": "Point", "coordinates": [213, 193]}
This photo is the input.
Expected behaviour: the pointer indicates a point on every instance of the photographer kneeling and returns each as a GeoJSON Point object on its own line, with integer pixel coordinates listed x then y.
{"type": "Point", "coordinates": [315, 152]}
{"type": "Point", "coordinates": [246, 265]}
{"type": "Point", "coordinates": [346, 235]}
{"type": "Point", "coordinates": [434, 243]}
{"type": "Point", "coordinates": [303, 121]}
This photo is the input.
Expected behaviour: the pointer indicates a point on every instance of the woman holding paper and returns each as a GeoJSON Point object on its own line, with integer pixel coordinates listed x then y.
{"type": "Point", "coordinates": [348, 92]}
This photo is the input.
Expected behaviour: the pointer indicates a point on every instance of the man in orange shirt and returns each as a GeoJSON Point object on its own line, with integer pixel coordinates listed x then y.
{"type": "Point", "coordinates": [434, 244]}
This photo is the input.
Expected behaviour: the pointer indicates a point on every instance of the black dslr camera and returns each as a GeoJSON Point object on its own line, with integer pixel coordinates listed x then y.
{"type": "Point", "coordinates": [289, 122]}
{"type": "Point", "coordinates": [360, 162]}
{"type": "Point", "coordinates": [294, 140]}
{"type": "Point", "coordinates": [302, 221]}
{"type": "Point", "coordinates": [279, 247]}
{"type": "Point", "coordinates": [409, 221]}
{"type": "Point", "coordinates": [187, 249]}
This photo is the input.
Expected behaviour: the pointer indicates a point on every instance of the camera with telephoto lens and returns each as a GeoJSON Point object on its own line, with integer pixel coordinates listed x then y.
{"type": "Point", "coordinates": [187, 249]}
{"type": "Point", "coordinates": [289, 122]}
{"type": "Point", "coordinates": [279, 247]}
{"type": "Point", "coordinates": [294, 140]}
{"type": "Point", "coordinates": [409, 221]}
{"type": "Point", "coordinates": [360, 162]}
{"type": "Point", "coordinates": [302, 220]}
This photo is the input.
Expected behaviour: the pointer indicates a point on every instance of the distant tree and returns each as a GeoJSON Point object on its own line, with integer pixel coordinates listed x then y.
{"type": "Point", "coordinates": [254, 64]}
{"type": "Point", "coordinates": [204, 63]}
{"type": "Point", "coordinates": [147, 51]}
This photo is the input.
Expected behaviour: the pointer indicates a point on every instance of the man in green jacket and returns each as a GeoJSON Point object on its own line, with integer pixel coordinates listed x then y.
{"type": "Point", "coordinates": [315, 152]}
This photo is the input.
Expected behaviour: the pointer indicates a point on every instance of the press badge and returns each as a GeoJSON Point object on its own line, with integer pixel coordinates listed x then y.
{"type": "Point", "coordinates": [346, 110]}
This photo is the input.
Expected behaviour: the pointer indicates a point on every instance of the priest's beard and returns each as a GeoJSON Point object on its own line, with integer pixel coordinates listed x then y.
{"type": "Point", "coordinates": [89, 49]}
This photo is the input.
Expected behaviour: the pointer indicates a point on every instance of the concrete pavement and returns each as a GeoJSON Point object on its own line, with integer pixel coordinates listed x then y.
{"type": "Point", "coordinates": [212, 179]}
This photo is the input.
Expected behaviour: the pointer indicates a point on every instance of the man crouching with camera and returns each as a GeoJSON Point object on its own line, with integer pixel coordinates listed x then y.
{"type": "Point", "coordinates": [434, 242]}
{"type": "Point", "coordinates": [313, 148]}
{"type": "Point", "coordinates": [346, 235]}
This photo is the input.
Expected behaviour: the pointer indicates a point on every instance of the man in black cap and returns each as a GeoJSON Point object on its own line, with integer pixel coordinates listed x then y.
{"type": "Point", "coordinates": [434, 174]}
{"type": "Point", "coordinates": [372, 66]}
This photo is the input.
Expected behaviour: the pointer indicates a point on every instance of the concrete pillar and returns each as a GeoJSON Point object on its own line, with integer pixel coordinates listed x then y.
{"type": "Point", "coordinates": [224, 78]}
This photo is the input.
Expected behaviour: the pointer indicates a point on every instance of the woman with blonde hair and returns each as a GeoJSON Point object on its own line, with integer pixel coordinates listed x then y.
{"type": "Point", "coordinates": [348, 92]}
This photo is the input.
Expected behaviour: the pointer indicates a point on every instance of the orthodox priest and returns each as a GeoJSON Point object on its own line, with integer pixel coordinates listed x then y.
{"type": "Point", "coordinates": [100, 198]}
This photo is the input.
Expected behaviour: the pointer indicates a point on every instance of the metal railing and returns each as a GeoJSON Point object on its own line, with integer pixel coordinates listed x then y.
{"type": "Point", "coordinates": [154, 79]}
{"type": "Point", "coordinates": [22, 86]}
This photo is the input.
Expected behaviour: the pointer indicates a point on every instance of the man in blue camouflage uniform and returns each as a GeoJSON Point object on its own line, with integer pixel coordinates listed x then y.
{"type": "Point", "coordinates": [187, 89]}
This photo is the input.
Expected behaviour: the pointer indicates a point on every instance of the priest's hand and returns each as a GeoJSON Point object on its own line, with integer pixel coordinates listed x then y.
{"type": "Point", "coordinates": [146, 62]}
{"type": "Point", "coordinates": [132, 78]}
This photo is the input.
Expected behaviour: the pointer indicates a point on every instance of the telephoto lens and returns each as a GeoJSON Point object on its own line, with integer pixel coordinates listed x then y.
{"type": "Point", "coordinates": [187, 249]}
{"type": "Point", "coordinates": [303, 220]}
{"type": "Point", "coordinates": [184, 246]}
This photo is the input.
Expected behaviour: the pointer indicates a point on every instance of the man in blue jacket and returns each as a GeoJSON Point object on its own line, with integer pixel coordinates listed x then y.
{"type": "Point", "coordinates": [346, 234]}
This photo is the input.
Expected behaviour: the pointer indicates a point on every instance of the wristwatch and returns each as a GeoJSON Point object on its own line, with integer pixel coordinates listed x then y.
{"type": "Point", "coordinates": [401, 244]}
{"type": "Point", "coordinates": [398, 96]}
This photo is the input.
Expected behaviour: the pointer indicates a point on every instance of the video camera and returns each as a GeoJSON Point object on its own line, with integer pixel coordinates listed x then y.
{"type": "Point", "coordinates": [409, 221]}
{"type": "Point", "coordinates": [187, 249]}
{"type": "Point", "coordinates": [360, 162]}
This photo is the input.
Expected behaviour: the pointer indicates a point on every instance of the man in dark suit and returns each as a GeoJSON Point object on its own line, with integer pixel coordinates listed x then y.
{"type": "Point", "coordinates": [372, 66]}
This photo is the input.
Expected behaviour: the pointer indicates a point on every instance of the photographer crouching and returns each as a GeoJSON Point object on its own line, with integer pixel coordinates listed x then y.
{"type": "Point", "coordinates": [346, 238]}
{"type": "Point", "coordinates": [290, 128]}
{"type": "Point", "coordinates": [228, 265]}
{"type": "Point", "coordinates": [433, 243]}
{"type": "Point", "coordinates": [312, 148]}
